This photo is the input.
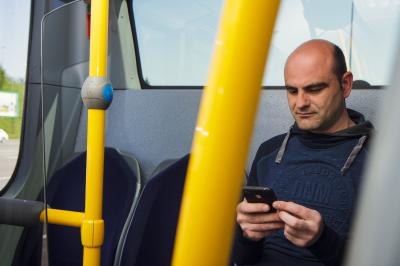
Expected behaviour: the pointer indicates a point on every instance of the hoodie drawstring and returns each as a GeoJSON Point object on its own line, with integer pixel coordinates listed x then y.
{"type": "Point", "coordinates": [346, 165]}
{"type": "Point", "coordinates": [353, 154]}
{"type": "Point", "coordinates": [282, 149]}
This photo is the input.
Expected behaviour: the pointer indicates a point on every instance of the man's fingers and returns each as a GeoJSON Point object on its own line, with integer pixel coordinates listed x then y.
{"type": "Point", "coordinates": [293, 221]}
{"type": "Point", "coordinates": [290, 237]}
{"type": "Point", "coordinates": [258, 218]}
{"type": "Point", "coordinates": [262, 227]}
{"type": "Point", "coordinates": [299, 238]}
{"type": "Point", "coordinates": [258, 235]}
{"type": "Point", "coordinates": [293, 208]}
{"type": "Point", "coordinates": [294, 232]}
{"type": "Point", "coordinates": [245, 207]}
{"type": "Point", "coordinates": [255, 236]}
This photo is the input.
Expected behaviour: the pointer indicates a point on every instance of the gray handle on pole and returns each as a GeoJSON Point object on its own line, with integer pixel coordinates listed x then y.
{"type": "Point", "coordinates": [20, 212]}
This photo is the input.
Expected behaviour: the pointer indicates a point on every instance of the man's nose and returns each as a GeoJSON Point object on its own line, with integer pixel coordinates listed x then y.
{"type": "Point", "coordinates": [302, 100]}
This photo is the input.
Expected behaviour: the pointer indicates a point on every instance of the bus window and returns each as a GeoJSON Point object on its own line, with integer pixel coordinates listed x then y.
{"type": "Point", "coordinates": [14, 33]}
{"type": "Point", "coordinates": [175, 38]}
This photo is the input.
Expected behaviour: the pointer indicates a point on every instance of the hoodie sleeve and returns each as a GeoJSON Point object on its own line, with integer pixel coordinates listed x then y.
{"type": "Point", "coordinates": [246, 251]}
{"type": "Point", "coordinates": [329, 248]}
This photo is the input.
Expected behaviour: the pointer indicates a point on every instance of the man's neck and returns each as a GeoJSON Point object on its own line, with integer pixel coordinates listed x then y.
{"type": "Point", "coordinates": [342, 123]}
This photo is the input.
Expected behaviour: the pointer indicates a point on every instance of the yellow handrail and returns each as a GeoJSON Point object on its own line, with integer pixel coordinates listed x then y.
{"type": "Point", "coordinates": [222, 134]}
{"type": "Point", "coordinates": [92, 230]}
{"type": "Point", "coordinates": [98, 38]}
{"type": "Point", "coordinates": [63, 217]}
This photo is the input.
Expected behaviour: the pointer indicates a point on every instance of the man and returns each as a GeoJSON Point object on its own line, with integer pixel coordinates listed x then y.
{"type": "Point", "coordinates": [314, 169]}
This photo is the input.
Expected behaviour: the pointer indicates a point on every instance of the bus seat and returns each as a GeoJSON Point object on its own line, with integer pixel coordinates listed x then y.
{"type": "Point", "coordinates": [163, 165]}
{"type": "Point", "coordinates": [66, 190]}
{"type": "Point", "coordinates": [151, 235]}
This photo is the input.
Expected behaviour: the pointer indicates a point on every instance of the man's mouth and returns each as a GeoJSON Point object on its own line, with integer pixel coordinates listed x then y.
{"type": "Point", "coordinates": [305, 115]}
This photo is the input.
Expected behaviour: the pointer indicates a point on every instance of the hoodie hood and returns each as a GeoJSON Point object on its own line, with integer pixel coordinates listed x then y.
{"type": "Point", "coordinates": [362, 130]}
{"type": "Point", "coordinates": [321, 141]}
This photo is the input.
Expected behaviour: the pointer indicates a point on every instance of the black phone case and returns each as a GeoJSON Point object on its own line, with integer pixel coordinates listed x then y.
{"type": "Point", "coordinates": [259, 195]}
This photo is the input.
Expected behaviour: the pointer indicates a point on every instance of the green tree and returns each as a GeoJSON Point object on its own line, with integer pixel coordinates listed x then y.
{"type": "Point", "coordinates": [2, 76]}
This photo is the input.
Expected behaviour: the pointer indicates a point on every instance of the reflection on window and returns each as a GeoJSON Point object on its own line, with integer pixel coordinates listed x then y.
{"type": "Point", "coordinates": [299, 21]}
{"type": "Point", "coordinates": [175, 37]}
{"type": "Point", "coordinates": [14, 31]}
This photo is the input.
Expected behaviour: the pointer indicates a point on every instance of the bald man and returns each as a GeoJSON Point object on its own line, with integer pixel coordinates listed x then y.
{"type": "Point", "coordinates": [314, 169]}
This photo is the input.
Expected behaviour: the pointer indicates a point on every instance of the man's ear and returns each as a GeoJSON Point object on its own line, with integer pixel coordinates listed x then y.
{"type": "Point", "coordinates": [347, 83]}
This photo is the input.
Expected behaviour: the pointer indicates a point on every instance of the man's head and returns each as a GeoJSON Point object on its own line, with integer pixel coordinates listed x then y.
{"type": "Point", "coordinates": [317, 84]}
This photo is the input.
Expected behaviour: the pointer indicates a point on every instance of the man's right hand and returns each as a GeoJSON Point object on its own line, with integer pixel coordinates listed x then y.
{"type": "Point", "coordinates": [255, 220]}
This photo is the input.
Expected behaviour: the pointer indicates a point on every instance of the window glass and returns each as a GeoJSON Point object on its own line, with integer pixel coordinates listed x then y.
{"type": "Point", "coordinates": [375, 40]}
{"type": "Point", "coordinates": [14, 33]}
{"type": "Point", "coordinates": [299, 21]}
{"type": "Point", "coordinates": [175, 37]}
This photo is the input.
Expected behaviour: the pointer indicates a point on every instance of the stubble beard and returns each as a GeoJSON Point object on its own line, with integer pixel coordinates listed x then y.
{"type": "Point", "coordinates": [317, 124]}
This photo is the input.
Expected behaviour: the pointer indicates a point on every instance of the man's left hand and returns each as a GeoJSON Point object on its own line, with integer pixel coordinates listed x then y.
{"type": "Point", "coordinates": [303, 226]}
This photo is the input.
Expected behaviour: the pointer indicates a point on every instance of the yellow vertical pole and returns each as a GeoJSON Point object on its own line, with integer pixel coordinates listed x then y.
{"type": "Point", "coordinates": [98, 38]}
{"type": "Point", "coordinates": [94, 187]}
{"type": "Point", "coordinates": [92, 230]}
{"type": "Point", "coordinates": [222, 134]}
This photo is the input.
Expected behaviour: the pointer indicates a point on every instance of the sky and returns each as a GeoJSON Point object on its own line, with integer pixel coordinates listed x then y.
{"type": "Point", "coordinates": [14, 31]}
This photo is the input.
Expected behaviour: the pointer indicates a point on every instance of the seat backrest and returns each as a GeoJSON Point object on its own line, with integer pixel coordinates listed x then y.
{"type": "Point", "coordinates": [151, 235]}
{"type": "Point", "coordinates": [66, 191]}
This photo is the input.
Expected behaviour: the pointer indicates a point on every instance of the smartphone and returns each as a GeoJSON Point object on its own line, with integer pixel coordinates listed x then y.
{"type": "Point", "coordinates": [255, 194]}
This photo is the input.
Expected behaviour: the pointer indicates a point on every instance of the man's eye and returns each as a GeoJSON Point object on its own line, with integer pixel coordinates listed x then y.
{"type": "Point", "coordinates": [316, 89]}
{"type": "Point", "coordinates": [291, 91]}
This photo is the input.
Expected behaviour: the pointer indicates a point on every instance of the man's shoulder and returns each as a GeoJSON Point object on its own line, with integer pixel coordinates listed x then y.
{"type": "Point", "coordinates": [270, 145]}
{"type": "Point", "coordinates": [266, 148]}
